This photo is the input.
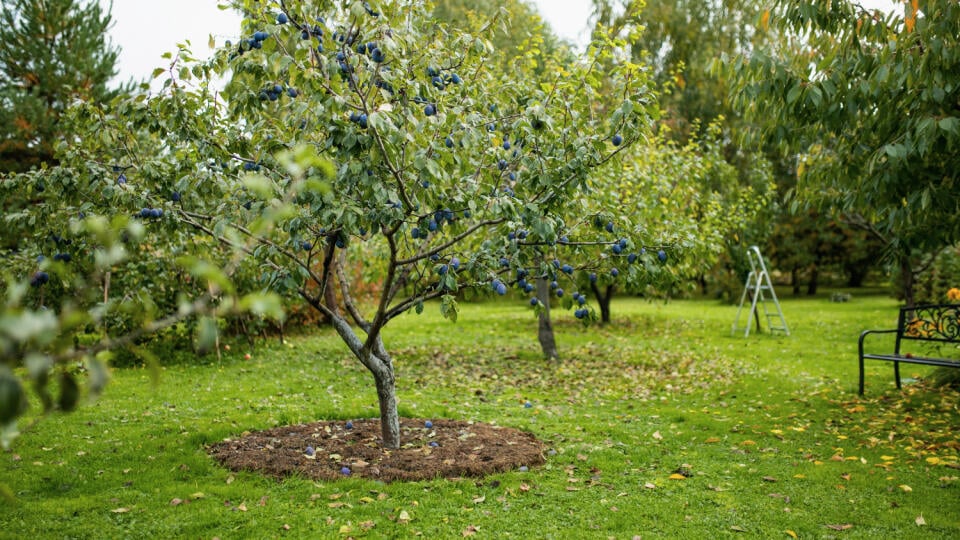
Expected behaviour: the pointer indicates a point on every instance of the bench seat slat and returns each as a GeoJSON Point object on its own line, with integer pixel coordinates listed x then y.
{"type": "Point", "coordinates": [913, 359]}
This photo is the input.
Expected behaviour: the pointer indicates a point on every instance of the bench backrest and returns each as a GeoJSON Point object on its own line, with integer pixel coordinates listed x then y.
{"type": "Point", "coordinates": [932, 322]}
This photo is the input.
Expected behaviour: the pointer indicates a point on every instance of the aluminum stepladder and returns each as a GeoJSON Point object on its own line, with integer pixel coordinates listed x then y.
{"type": "Point", "coordinates": [758, 285]}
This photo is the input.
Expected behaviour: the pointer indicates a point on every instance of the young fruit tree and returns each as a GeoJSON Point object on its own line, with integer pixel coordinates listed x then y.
{"type": "Point", "coordinates": [349, 123]}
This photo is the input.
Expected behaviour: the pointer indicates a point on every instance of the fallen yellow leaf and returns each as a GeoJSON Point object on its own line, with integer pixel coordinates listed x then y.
{"type": "Point", "coordinates": [933, 460]}
{"type": "Point", "coordinates": [677, 476]}
{"type": "Point", "coordinates": [712, 440]}
{"type": "Point", "coordinates": [905, 488]}
{"type": "Point", "coordinates": [887, 458]}
{"type": "Point", "coordinates": [790, 533]}
{"type": "Point", "coordinates": [920, 521]}
{"type": "Point", "coordinates": [404, 517]}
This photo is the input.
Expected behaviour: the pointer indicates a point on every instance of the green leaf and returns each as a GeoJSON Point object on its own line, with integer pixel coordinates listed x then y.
{"type": "Point", "coordinates": [794, 93]}
{"type": "Point", "coordinates": [950, 124]}
{"type": "Point", "coordinates": [449, 308]}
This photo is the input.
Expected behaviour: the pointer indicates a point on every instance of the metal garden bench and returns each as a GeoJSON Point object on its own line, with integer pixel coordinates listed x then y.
{"type": "Point", "coordinates": [924, 323]}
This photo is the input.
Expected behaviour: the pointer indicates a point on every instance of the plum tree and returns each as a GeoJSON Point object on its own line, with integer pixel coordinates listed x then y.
{"type": "Point", "coordinates": [266, 177]}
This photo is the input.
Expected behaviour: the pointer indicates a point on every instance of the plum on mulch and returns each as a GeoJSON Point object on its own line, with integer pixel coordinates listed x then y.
{"type": "Point", "coordinates": [449, 449]}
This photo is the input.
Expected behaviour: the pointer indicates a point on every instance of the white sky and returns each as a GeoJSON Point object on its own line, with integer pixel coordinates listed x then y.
{"type": "Point", "coordinates": [145, 29]}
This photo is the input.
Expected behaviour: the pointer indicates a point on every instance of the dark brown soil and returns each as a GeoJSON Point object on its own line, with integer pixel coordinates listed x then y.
{"type": "Point", "coordinates": [448, 449]}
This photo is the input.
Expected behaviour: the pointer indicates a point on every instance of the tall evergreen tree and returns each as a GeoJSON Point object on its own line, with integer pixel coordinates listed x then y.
{"type": "Point", "coordinates": [52, 52]}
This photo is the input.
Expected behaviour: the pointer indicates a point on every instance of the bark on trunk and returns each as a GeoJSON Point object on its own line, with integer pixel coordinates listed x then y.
{"type": "Point", "coordinates": [330, 295]}
{"type": "Point", "coordinates": [548, 343]}
{"type": "Point", "coordinates": [387, 398]}
{"type": "Point", "coordinates": [330, 299]}
{"type": "Point", "coordinates": [376, 359]}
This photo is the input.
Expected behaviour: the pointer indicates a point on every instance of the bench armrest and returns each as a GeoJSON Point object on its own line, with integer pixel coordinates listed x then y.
{"type": "Point", "coordinates": [863, 336]}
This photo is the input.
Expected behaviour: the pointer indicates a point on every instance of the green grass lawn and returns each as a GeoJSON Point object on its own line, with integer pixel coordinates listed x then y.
{"type": "Point", "coordinates": [660, 425]}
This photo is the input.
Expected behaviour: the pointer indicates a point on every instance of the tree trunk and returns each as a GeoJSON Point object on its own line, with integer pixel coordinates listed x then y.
{"type": "Point", "coordinates": [375, 358]}
{"type": "Point", "coordinates": [795, 280]}
{"type": "Point", "coordinates": [857, 273]}
{"type": "Point", "coordinates": [330, 295]}
{"type": "Point", "coordinates": [330, 299]}
{"type": "Point", "coordinates": [814, 280]}
{"type": "Point", "coordinates": [387, 399]}
{"type": "Point", "coordinates": [603, 301]}
{"type": "Point", "coordinates": [548, 344]}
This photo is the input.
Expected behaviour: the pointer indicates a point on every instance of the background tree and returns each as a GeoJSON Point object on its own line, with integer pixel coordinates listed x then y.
{"type": "Point", "coordinates": [877, 120]}
{"type": "Point", "coordinates": [517, 29]}
{"type": "Point", "coordinates": [808, 244]}
{"type": "Point", "coordinates": [52, 52]}
{"type": "Point", "coordinates": [680, 40]}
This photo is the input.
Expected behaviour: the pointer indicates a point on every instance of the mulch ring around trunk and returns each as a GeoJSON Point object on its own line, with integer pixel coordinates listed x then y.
{"type": "Point", "coordinates": [332, 450]}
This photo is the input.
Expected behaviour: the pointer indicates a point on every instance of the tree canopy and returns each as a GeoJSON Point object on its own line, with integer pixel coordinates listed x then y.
{"type": "Point", "coordinates": [873, 103]}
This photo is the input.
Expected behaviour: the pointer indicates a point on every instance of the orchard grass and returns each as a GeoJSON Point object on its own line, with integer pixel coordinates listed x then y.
{"type": "Point", "coordinates": [659, 425]}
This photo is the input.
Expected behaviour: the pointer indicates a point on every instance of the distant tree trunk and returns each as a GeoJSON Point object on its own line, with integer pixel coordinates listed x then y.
{"type": "Point", "coordinates": [856, 274]}
{"type": "Point", "coordinates": [814, 280]}
{"type": "Point", "coordinates": [603, 300]}
{"type": "Point", "coordinates": [548, 343]}
{"type": "Point", "coordinates": [795, 280]}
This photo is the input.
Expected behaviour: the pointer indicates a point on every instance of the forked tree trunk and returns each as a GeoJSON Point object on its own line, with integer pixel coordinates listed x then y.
{"type": "Point", "coordinates": [548, 343]}
{"type": "Point", "coordinates": [378, 362]}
